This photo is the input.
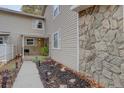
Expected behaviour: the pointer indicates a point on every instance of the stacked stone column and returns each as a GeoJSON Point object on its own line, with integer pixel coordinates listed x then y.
{"type": "Point", "coordinates": [102, 44]}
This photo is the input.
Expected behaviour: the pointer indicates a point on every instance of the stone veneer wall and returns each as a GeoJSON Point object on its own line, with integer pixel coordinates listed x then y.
{"type": "Point", "coordinates": [102, 44]}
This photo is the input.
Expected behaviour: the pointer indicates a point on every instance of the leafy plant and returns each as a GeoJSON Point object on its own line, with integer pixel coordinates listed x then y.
{"type": "Point", "coordinates": [39, 58]}
{"type": "Point", "coordinates": [44, 50]}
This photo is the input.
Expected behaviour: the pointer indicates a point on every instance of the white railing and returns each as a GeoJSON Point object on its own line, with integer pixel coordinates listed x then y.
{"type": "Point", "coordinates": [6, 52]}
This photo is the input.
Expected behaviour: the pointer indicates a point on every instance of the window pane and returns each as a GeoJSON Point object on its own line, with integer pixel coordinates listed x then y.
{"type": "Point", "coordinates": [56, 10]}
{"type": "Point", "coordinates": [1, 42]}
{"type": "Point", "coordinates": [30, 41]}
{"type": "Point", "coordinates": [56, 40]}
{"type": "Point", "coordinates": [39, 25]}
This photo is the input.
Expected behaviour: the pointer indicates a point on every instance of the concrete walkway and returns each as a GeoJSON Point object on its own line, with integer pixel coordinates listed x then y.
{"type": "Point", "coordinates": [28, 76]}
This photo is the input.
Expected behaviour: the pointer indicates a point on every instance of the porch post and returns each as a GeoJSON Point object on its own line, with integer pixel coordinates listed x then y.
{"type": "Point", "coordinates": [12, 51]}
{"type": "Point", "coordinates": [23, 46]}
{"type": "Point", "coordinates": [5, 57]}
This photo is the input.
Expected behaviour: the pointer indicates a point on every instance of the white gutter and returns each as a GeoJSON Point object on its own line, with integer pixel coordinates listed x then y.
{"type": "Point", "coordinates": [20, 13]}
{"type": "Point", "coordinates": [4, 33]}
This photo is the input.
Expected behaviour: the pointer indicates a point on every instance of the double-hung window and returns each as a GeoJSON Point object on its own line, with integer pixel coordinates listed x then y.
{"type": "Point", "coordinates": [37, 24]}
{"type": "Point", "coordinates": [56, 40]}
{"type": "Point", "coordinates": [30, 41]}
{"type": "Point", "coordinates": [56, 10]}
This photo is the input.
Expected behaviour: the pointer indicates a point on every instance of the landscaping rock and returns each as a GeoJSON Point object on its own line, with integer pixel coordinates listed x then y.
{"type": "Point", "coordinates": [48, 73]}
{"type": "Point", "coordinates": [63, 86]}
{"type": "Point", "coordinates": [72, 80]}
{"type": "Point", "coordinates": [62, 69]}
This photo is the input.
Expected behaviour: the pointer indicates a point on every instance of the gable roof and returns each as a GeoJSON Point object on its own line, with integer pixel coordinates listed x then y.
{"type": "Point", "coordinates": [20, 13]}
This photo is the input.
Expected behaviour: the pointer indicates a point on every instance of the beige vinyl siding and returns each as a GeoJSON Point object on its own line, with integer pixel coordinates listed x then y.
{"type": "Point", "coordinates": [18, 25]}
{"type": "Point", "coordinates": [66, 23]}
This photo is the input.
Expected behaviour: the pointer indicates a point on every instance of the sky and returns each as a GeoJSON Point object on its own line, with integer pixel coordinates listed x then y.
{"type": "Point", "coordinates": [12, 7]}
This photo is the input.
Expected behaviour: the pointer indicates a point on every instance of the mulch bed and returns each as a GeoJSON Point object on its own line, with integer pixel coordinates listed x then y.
{"type": "Point", "coordinates": [7, 76]}
{"type": "Point", "coordinates": [56, 75]}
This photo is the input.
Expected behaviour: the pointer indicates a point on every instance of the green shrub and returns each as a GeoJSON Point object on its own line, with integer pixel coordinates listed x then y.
{"type": "Point", "coordinates": [44, 50]}
{"type": "Point", "coordinates": [39, 58]}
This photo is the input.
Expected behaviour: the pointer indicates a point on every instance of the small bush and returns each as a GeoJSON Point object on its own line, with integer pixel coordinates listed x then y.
{"type": "Point", "coordinates": [44, 50]}
{"type": "Point", "coordinates": [39, 58]}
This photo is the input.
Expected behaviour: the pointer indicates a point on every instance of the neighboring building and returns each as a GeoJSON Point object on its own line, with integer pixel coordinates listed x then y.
{"type": "Point", "coordinates": [21, 33]}
{"type": "Point", "coordinates": [89, 39]}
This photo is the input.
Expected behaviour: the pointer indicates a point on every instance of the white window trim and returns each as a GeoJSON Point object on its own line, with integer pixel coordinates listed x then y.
{"type": "Point", "coordinates": [34, 24]}
{"type": "Point", "coordinates": [54, 8]}
{"type": "Point", "coordinates": [33, 42]}
{"type": "Point", "coordinates": [59, 40]}
{"type": "Point", "coordinates": [3, 39]}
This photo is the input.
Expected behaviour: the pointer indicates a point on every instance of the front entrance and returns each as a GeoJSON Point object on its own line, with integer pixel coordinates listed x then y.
{"type": "Point", "coordinates": [33, 46]}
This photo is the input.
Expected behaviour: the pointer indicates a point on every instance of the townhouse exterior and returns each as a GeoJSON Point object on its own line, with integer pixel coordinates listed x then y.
{"type": "Point", "coordinates": [89, 39]}
{"type": "Point", "coordinates": [20, 33]}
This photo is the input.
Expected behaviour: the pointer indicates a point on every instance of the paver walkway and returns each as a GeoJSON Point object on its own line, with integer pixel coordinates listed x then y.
{"type": "Point", "coordinates": [28, 76]}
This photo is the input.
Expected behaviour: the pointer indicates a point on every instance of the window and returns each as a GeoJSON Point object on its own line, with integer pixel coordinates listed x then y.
{"type": "Point", "coordinates": [56, 10]}
{"type": "Point", "coordinates": [37, 24]}
{"type": "Point", "coordinates": [56, 40]}
{"type": "Point", "coordinates": [1, 40]}
{"type": "Point", "coordinates": [30, 41]}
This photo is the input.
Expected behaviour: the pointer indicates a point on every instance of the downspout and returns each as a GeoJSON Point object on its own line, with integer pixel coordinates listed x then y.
{"type": "Point", "coordinates": [23, 46]}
